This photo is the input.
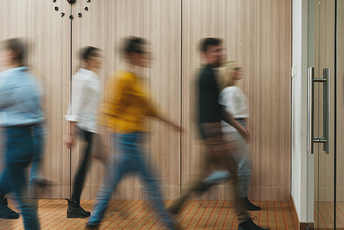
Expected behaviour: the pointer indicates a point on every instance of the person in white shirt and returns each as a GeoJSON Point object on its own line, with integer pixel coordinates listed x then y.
{"type": "Point", "coordinates": [235, 102]}
{"type": "Point", "coordinates": [82, 117]}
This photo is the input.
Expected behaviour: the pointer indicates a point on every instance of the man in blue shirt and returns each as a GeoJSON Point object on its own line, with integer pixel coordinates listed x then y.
{"type": "Point", "coordinates": [20, 111]}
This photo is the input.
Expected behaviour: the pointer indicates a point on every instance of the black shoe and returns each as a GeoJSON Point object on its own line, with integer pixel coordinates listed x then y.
{"type": "Point", "coordinates": [250, 225]}
{"type": "Point", "coordinates": [173, 210]}
{"type": "Point", "coordinates": [6, 212]}
{"type": "Point", "coordinates": [75, 210]}
{"type": "Point", "coordinates": [91, 227]}
{"type": "Point", "coordinates": [249, 206]}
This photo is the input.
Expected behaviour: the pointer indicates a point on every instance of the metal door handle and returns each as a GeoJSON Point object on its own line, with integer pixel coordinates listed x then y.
{"type": "Point", "coordinates": [326, 139]}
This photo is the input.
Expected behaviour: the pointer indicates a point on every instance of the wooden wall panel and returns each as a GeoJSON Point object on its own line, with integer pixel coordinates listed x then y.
{"type": "Point", "coordinates": [103, 26]}
{"type": "Point", "coordinates": [258, 36]}
{"type": "Point", "coordinates": [49, 37]}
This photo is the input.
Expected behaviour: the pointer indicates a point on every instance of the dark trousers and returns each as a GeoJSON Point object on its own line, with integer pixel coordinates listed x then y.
{"type": "Point", "coordinates": [80, 177]}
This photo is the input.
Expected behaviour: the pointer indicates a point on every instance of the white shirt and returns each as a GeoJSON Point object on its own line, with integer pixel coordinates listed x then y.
{"type": "Point", "coordinates": [85, 100]}
{"type": "Point", "coordinates": [234, 102]}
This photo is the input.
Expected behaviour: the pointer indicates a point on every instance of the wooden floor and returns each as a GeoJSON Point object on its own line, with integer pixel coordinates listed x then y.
{"type": "Point", "coordinates": [324, 215]}
{"type": "Point", "coordinates": [137, 214]}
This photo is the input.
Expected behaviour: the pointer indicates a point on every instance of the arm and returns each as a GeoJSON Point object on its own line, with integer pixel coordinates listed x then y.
{"type": "Point", "coordinates": [74, 110]}
{"type": "Point", "coordinates": [166, 121]}
{"type": "Point", "coordinates": [69, 138]}
{"type": "Point", "coordinates": [6, 94]}
{"type": "Point", "coordinates": [152, 112]}
{"type": "Point", "coordinates": [227, 117]}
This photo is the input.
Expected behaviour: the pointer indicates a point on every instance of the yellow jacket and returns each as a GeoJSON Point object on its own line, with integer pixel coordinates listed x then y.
{"type": "Point", "coordinates": [125, 104]}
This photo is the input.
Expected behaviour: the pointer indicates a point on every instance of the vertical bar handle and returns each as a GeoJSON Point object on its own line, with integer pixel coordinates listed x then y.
{"type": "Point", "coordinates": [327, 130]}
{"type": "Point", "coordinates": [310, 108]}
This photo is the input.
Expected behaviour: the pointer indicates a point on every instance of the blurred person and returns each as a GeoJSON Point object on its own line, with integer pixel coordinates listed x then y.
{"type": "Point", "coordinates": [37, 179]}
{"type": "Point", "coordinates": [234, 102]}
{"type": "Point", "coordinates": [218, 150]}
{"type": "Point", "coordinates": [82, 117]}
{"type": "Point", "coordinates": [20, 112]}
{"type": "Point", "coordinates": [125, 105]}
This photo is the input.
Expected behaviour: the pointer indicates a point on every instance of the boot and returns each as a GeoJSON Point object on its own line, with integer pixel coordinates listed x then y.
{"type": "Point", "coordinates": [250, 225]}
{"type": "Point", "coordinates": [249, 206]}
{"type": "Point", "coordinates": [6, 212]}
{"type": "Point", "coordinates": [75, 210]}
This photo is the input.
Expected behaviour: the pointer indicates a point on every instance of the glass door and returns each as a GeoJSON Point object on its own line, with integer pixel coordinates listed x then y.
{"type": "Point", "coordinates": [321, 75]}
{"type": "Point", "coordinates": [339, 115]}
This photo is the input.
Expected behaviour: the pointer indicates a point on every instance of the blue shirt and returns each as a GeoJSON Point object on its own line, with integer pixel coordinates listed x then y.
{"type": "Point", "coordinates": [20, 98]}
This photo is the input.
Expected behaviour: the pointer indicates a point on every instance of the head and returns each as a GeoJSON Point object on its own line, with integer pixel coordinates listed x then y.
{"type": "Point", "coordinates": [14, 52]}
{"type": "Point", "coordinates": [135, 51]}
{"type": "Point", "coordinates": [91, 57]}
{"type": "Point", "coordinates": [212, 52]}
{"type": "Point", "coordinates": [229, 74]}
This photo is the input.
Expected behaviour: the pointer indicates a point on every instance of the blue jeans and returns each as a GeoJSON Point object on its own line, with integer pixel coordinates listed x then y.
{"type": "Point", "coordinates": [39, 136]}
{"type": "Point", "coordinates": [131, 160]}
{"type": "Point", "coordinates": [244, 166]}
{"type": "Point", "coordinates": [19, 154]}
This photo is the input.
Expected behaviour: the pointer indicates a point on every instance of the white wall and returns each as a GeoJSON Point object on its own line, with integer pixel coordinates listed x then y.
{"type": "Point", "coordinates": [302, 162]}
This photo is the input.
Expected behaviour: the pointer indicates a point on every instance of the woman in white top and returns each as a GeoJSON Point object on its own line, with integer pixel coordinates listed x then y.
{"type": "Point", "coordinates": [235, 102]}
{"type": "Point", "coordinates": [82, 117]}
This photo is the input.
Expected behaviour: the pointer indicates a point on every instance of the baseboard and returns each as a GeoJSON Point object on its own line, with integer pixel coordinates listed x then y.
{"type": "Point", "coordinates": [302, 226]}
{"type": "Point", "coordinates": [294, 210]}
{"type": "Point", "coordinates": [307, 226]}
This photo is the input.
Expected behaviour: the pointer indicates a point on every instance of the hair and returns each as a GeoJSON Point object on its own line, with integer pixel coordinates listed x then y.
{"type": "Point", "coordinates": [207, 42]}
{"type": "Point", "coordinates": [132, 45]}
{"type": "Point", "coordinates": [227, 74]}
{"type": "Point", "coordinates": [88, 52]}
{"type": "Point", "coordinates": [18, 46]}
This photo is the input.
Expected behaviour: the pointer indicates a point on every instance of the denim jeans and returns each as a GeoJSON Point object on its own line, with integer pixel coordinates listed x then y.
{"type": "Point", "coordinates": [39, 136]}
{"type": "Point", "coordinates": [131, 160]}
{"type": "Point", "coordinates": [244, 166]}
{"type": "Point", "coordinates": [19, 154]}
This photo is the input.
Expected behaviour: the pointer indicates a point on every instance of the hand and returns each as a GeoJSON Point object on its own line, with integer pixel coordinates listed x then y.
{"type": "Point", "coordinates": [245, 134]}
{"type": "Point", "coordinates": [178, 128]}
{"type": "Point", "coordinates": [69, 141]}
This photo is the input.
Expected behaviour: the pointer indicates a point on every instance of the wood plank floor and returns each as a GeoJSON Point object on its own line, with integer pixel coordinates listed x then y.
{"type": "Point", "coordinates": [138, 214]}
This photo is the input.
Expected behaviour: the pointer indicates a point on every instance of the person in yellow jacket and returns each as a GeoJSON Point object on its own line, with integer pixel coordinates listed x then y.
{"type": "Point", "coordinates": [125, 105]}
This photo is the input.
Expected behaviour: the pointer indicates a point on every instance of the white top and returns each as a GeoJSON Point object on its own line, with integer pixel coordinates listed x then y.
{"type": "Point", "coordinates": [234, 102]}
{"type": "Point", "coordinates": [85, 100]}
